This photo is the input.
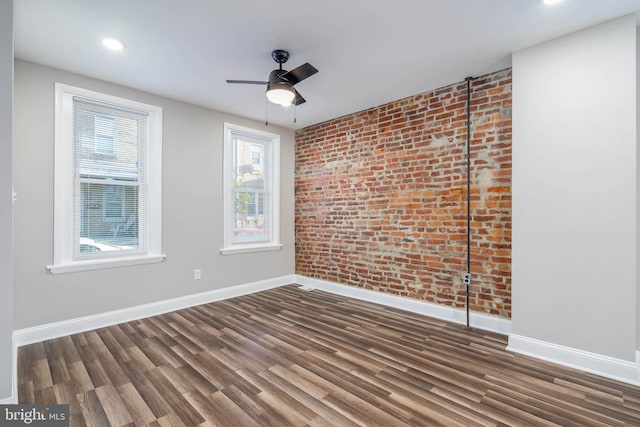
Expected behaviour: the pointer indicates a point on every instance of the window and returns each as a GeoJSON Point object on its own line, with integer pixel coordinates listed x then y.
{"type": "Point", "coordinates": [108, 159]}
{"type": "Point", "coordinates": [251, 190]}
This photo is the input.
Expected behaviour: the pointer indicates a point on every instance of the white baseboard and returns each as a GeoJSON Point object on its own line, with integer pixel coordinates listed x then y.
{"type": "Point", "coordinates": [617, 369]}
{"type": "Point", "coordinates": [476, 320]}
{"type": "Point", "coordinates": [14, 376]}
{"type": "Point", "coordinates": [82, 324]}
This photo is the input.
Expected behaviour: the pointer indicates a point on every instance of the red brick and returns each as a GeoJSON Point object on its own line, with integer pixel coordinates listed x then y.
{"type": "Point", "coordinates": [381, 197]}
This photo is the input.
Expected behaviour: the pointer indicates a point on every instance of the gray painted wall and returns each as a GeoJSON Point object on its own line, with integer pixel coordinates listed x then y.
{"type": "Point", "coordinates": [192, 209]}
{"type": "Point", "coordinates": [637, 189]}
{"type": "Point", "coordinates": [6, 198]}
{"type": "Point", "coordinates": [574, 190]}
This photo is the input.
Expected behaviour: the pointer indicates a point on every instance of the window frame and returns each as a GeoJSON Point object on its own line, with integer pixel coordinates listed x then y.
{"type": "Point", "coordinates": [272, 187]}
{"type": "Point", "coordinates": [64, 257]}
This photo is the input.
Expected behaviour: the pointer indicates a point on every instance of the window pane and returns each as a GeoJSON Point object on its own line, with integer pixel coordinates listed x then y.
{"type": "Point", "coordinates": [249, 191]}
{"type": "Point", "coordinates": [108, 173]}
{"type": "Point", "coordinates": [248, 164]}
{"type": "Point", "coordinates": [107, 141]}
{"type": "Point", "coordinates": [113, 204]}
{"type": "Point", "coordinates": [249, 217]}
{"type": "Point", "coordinates": [108, 218]}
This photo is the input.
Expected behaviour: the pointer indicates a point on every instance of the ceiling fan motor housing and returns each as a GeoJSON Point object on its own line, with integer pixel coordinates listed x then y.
{"type": "Point", "coordinates": [275, 80]}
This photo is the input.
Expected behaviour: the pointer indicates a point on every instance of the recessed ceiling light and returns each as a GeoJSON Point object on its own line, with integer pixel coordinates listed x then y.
{"type": "Point", "coordinates": [551, 1]}
{"type": "Point", "coordinates": [112, 44]}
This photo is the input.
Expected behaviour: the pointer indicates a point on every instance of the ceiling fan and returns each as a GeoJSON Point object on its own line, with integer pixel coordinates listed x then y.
{"type": "Point", "coordinates": [280, 88]}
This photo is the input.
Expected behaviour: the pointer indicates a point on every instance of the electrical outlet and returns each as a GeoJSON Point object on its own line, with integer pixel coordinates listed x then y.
{"type": "Point", "coordinates": [197, 274]}
{"type": "Point", "coordinates": [466, 278]}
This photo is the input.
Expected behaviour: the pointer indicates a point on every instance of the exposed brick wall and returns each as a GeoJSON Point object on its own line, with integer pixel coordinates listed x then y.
{"type": "Point", "coordinates": [381, 197]}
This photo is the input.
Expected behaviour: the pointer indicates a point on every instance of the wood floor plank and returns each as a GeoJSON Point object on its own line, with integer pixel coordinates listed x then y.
{"type": "Point", "coordinates": [288, 357]}
{"type": "Point", "coordinates": [112, 345]}
{"type": "Point", "coordinates": [233, 414]}
{"type": "Point", "coordinates": [254, 407]}
{"type": "Point", "coordinates": [518, 416]}
{"type": "Point", "coordinates": [89, 360]}
{"type": "Point", "coordinates": [170, 420]}
{"type": "Point", "coordinates": [607, 411]}
{"type": "Point", "coordinates": [138, 360]}
{"type": "Point", "coordinates": [317, 407]}
{"type": "Point", "coordinates": [195, 378]}
{"type": "Point", "coordinates": [186, 346]}
{"type": "Point", "coordinates": [26, 393]}
{"type": "Point", "coordinates": [154, 400]}
{"type": "Point", "coordinates": [92, 410]}
{"type": "Point", "coordinates": [136, 406]}
{"type": "Point", "coordinates": [59, 371]}
{"type": "Point", "coordinates": [160, 352]}
{"type": "Point", "coordinates": [80, 379]}
{"type": "Point", "coordinates": [46, 394]}
{"type": "Point", "coordinates": [64, 393]}
{"type": "Point", "coordinates": [204, 405]}
{"type": "Point", "coordinates": [213, 368]}
{"type": "Point", "coordinates": [358, 401]}
{"type": "Point", "coordinates": [178, 404]}
{"type": "Point", "coordinates": [298, 381]}
{"type": "Point", "coordinates": [114, 408]}
{"type": "Point", "coordinates": [41, 374]}
{"type": "Point", "coordinates": [539, 408]}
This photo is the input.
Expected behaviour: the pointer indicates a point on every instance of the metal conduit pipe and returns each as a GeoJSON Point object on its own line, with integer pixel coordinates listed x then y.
{"type": "Point", "coordinates": [467, 279]}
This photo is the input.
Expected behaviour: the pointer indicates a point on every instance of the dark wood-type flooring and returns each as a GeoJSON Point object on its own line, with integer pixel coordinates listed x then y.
{"type": "Point", "coordinates": [288, 357]}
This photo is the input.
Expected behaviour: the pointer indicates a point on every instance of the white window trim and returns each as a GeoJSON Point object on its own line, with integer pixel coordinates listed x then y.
{"type": "Point", "coordinates": [63, 261]}
{"type": "Point", "coordinates": [230, 248]}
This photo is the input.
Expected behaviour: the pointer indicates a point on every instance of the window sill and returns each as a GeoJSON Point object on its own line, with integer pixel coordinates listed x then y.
{"type": "Point", "coordinates": [104, 263]}
{"type": "Point", "coordinates": [250, 248]}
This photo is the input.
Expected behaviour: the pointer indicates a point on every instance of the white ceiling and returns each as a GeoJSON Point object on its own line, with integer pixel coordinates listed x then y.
{"type": "Point", "coordinates": [369, 52]}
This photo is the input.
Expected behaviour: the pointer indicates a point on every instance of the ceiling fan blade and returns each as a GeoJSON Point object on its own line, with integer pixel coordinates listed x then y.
{"type": "Point", "coordinates": [298, 99]}
{"type": "Point", "coordinates": [248, 82]}
{"type": "Point", "coordinates": [299, 74]}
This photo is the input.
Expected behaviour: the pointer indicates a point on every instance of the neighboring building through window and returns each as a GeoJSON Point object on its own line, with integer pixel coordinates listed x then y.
{"type": "Point", "coordinates": [104, 129]}
{"type": "Point", "coordinates": [251, 190]}
{"type": "Point", "coordinates": [113, 204]}
{"type": "Point", "coordinates": [256, 156]}
{"type": "Point", "coordinates": [108, 181]}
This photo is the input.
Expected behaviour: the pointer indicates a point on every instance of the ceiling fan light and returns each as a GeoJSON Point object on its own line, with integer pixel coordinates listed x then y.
{"type": "Point", "coordinates": [281, 95]}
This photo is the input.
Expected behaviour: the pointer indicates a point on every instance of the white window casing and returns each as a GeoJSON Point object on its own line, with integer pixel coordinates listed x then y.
{"type": "Point", "coordinates": [82, 179]}
{"type": "Point", "coordinates": [251, 190]}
